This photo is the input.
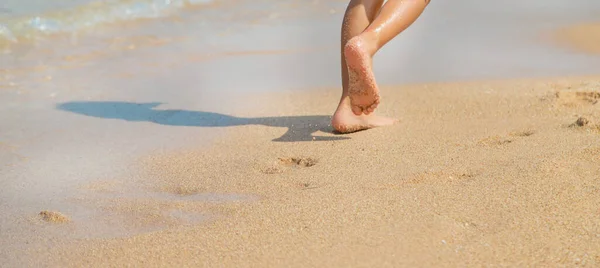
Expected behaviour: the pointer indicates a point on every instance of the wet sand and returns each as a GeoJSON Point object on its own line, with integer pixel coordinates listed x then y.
{"type": "Point", "coordinates": [125, 133]}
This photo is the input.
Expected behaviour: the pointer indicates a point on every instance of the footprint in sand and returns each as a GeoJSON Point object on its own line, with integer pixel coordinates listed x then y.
{"type": "Point", "coordinates": [583, 101]}
{"type": "Point", "coordinates": [54, 217]}
{"type": "Point", "coordinates": [577, 98]}
{"type": "Point", "coordinates": [289, 162]}
{"type": "Point", "coordinates": [501, 140]}
{"type": "Point", "coordinates": [298, 161]}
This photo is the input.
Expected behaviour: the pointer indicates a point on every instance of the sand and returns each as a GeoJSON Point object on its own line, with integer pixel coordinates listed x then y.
{"type": "Point", "coordinates": [581, 37]}
{"type": "Point", "coordinates": [476, 173]}
{"type": "Point", "coordinates": [54, 217]}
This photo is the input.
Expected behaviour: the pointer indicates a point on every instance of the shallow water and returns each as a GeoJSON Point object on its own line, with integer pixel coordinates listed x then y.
{"type": "Point", "coordinates": [198, 63]}
{"type": "Point", "coordinates": [22, 21]}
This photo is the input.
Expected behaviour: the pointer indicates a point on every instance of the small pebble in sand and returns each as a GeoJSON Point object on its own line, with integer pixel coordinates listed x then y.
{"type": "Point", "coordinates": [582, 121]}
{"type": "Point", "coordinates": [54, 217]}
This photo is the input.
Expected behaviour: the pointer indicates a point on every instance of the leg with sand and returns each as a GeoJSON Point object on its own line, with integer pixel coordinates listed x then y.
{"type": "Point", "coordinates": [367, 26]}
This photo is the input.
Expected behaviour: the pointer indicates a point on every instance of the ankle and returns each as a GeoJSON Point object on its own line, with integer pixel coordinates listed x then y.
{"type": "Point", "coordinates": [363, 42]}
{"type": "Point", "coordinates": [369, 42]}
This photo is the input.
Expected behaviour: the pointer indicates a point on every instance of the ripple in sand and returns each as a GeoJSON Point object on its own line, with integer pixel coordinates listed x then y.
{"type": "Point", "coordinates": [441, 176]}
{"type": "Point", "coordinates": [523, 133]}
{"type": "Point", "coordinates": [494, 141]}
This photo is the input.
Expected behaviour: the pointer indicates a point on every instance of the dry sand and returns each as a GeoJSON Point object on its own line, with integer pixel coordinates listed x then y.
{"type": "Point", "coordinates": [481, 173]}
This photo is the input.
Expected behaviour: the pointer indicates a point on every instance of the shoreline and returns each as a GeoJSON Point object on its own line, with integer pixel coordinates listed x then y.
{"type": "Point", "coordinates": [84, 17]}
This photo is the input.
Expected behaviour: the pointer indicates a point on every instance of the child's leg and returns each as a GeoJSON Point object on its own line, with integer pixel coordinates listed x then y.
{"type": "Point", "coordinates": [395, 16]}
{"type": "Point", "coordinates": [358, 16]}
{"type": "Point", "coordinates": [365, 29]}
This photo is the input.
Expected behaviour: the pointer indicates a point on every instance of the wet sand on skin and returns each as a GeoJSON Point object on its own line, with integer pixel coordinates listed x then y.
{"type": "Point", "coordinates": [485, 172]}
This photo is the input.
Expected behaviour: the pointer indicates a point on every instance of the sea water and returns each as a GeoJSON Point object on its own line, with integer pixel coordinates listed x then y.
{"type": "Point", "coordinates": [26, 19]}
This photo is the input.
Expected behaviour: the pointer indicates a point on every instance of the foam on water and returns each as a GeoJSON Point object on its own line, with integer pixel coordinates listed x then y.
{"type": "Point", "coordinates": [22, 22]}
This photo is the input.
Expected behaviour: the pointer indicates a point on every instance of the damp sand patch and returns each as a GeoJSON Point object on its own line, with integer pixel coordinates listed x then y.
{"type": "Point", "coordinates": [112, 208]}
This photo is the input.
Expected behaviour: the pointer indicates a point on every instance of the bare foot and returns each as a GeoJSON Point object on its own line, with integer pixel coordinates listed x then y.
{"type": "Point", "coordinates": [362, 88]}
{"type": "Point", "coordinates": [345, 121]}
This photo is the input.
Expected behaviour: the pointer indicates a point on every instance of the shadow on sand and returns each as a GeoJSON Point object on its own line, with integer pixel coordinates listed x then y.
{"type": "Point", "coordinates": [299, 128]}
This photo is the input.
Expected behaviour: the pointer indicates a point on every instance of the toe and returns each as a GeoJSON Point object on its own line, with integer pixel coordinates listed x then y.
{"type": "Point", "coordinates": [357, 110]}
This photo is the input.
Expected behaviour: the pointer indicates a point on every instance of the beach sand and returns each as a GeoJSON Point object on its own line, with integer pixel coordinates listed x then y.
{"type": "Point", "coordinates": [581, 37]}
{"type": "Point", "coordinates": [476, 173]}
